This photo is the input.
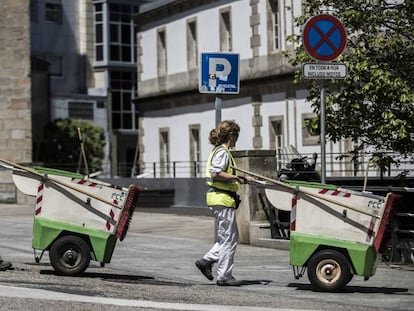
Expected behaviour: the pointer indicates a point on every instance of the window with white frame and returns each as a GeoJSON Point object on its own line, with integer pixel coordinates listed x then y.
{"type": "Point", "coordinates": [273, 25]}
{"type": "Point", "coordinates": [195, 150]}
{"type": "Point", "coordinates": [192, 46]}
{"type": "Point", "coordinates": [225, 30]}
{"type": "Point", "coordinates": [162, 52]}
{"type": "Point", "coordinates": [276, 133]}
{"type": "Point", "coordinates": [115, 30]}
{"type": "Point", "coordinates": [121, 33]}
{"type": "Point", "coordinates": [123, 111]}
{"type": "Point", "coordinates": [164, 152]}
{"type": "Point", "coordinates": [99, 32]}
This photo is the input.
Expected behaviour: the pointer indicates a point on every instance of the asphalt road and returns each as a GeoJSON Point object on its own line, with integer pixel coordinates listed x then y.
{"type": "Point", "coordinates": [153, 269]}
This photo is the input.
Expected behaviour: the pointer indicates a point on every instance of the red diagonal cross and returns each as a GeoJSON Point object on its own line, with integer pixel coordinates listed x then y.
{"type": "Point", "coordinates": [325, 37]}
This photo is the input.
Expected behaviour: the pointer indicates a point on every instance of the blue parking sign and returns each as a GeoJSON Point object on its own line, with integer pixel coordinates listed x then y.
{"type": "Point", "coordinates": [219, 73]}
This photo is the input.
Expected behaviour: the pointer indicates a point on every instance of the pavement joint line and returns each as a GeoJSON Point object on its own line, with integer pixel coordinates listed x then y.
{"type": "Point", "coordinates": [33, 293]}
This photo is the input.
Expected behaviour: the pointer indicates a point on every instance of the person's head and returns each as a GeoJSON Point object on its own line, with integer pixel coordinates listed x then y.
{"type": "Point", "coordinates": [226, 132]}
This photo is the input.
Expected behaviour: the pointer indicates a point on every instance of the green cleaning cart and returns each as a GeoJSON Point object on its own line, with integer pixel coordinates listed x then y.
{"type": "Point", "coordinates": [334, 233]}
{"type": "Point", "coordinates": [76, 219]}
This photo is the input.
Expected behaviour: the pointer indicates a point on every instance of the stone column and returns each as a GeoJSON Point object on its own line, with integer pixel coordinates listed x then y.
{"type": "Point", "coordinates": [15, 90]}
{"type": "Point", "coordinates": [261, 162]}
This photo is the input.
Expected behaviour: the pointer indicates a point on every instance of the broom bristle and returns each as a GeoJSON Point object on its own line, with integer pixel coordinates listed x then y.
{"type": "Point", "coordinates": [383, 233]}
{"type": "Point", "coordinates": [127, 211]}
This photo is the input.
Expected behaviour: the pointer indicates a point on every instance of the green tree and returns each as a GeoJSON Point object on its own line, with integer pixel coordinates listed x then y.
{"type": "Point", "coordinates": [62, 148]}
{"type": "Point", "coordinates": [374, 105]}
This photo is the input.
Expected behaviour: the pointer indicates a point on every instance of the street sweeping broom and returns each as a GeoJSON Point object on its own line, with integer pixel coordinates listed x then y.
{"type": "Point", "coordinates": [76, 219]}
{"type": "Point", "coordinates": [334, 233]}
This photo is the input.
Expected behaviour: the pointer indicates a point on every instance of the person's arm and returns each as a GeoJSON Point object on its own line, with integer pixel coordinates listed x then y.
{"type": "Point", "coordinates": [218, 168]}
{"type": "Point", "coordinates": [223, 176]}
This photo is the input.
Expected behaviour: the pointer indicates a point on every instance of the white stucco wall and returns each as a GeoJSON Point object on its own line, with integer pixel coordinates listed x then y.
{"type": "Point", "coordinates": [241, 110]}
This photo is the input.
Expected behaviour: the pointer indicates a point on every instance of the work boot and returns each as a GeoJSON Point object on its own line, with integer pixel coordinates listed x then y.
{"type": "Point", "coordinates": [205, 268]}
{"type": "Point", "coordinates": [4, 265]}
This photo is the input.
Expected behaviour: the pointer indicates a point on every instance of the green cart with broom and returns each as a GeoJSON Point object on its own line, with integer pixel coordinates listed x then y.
{"type": "Point", "coordinates": [76, 219]}
{"type": "Point", "coordinates": [334, 233]}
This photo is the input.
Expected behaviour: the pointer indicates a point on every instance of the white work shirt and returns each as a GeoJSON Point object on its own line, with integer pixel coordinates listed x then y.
{"type": "Point", "coordinates": [219, 162]}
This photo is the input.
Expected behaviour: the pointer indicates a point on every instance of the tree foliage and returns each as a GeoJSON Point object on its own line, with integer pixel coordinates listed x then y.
{"type": "Point", "coordinates": [62, 148]}
{"type": "Point", "coordinates": [374, 105]}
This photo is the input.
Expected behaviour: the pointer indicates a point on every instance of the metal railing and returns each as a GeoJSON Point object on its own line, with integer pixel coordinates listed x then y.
{"type": "Point", "coordinates": [174, 169]}
{"type": "Point", "coordinates": [336, 166]}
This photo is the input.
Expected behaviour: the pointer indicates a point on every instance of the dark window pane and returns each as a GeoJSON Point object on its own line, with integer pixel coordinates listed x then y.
{"type": "Point", "coordinates": [127, 120]}
{"type": "Point", "coordinates": [98, 33]}
{"type": "Point", "coordinates": [115, 75]}
{"type": "Point", "coordinates": [126, 75]}
{"type": "Point", "coordinates": [99, 52]}
{"type": "Point", "coordinates": [115, 52]}
{"type": "Point", "coordinates": [53, 12]}
{"type": "Point", "coordinates": [114, 33]}
{"type": "Point", "coordinates": [125, 8]}
{"type": "Point", "coordinates": [116, 85]}
{"type": "Point", "coordinates": [126, 53]}
{"type": "Point", "coordinates": [116, 121]}
{"type": "Point", "coordinates": [114, 7]}
{"type": "Point", "coordinates": [116, 101]}
{"type": "Point", "coordinates": [126, 34]}
{"type": "Point", "coordinates": [114, 17]}
{"type": "Point", "coordinates": [98, 7]}
{"type": "Point", "coordinates": [126, 101]}
{"type": "Point", "coordinates": [81, 110]}
{"type": "Point", "coordinates": [98, 17]}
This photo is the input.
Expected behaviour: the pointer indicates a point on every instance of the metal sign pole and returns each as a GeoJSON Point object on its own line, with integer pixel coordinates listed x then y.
{"type": "Point", "coordinates": [217, 104]}
{"type": "Point", "coordinates": [324, 38]}
{"type": "Point", "coordinates": [322, 125]}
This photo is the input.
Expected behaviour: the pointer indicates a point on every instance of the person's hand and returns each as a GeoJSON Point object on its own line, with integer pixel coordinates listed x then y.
{"type": "Point", "coordinates": [246, 180]}
{"type": "Point", "coordinates": [250, 180]}
{"type": "Point", "coordinates": [241, 180]}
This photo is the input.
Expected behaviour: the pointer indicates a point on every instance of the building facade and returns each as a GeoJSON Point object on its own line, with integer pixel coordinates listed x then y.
{"type": "Point", "coordinates": [175, 118]}
{"type": "Point", "coordinates": [86, 53]}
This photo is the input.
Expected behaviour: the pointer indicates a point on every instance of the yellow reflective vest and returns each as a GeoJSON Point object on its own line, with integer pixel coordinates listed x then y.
{"type": "Point", "coordinates": [214, 196]}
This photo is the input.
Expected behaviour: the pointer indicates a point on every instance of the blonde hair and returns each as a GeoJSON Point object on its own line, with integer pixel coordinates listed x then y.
{"type": "Point", "coordinates": [222, 133]}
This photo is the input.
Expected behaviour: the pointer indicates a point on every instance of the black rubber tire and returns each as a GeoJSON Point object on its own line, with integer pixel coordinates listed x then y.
{"type": "Point", "coordinates": [329, 271]}
{"type": "Point", "coordinates": [70, 255]}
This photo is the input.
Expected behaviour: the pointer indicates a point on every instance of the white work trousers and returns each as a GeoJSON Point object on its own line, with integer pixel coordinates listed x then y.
{"type": "Point", "coordinates": [224, 249]}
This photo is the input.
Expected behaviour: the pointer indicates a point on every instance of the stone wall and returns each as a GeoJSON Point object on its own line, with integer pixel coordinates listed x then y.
{"type": "Point", "coordinates": [15, 90]}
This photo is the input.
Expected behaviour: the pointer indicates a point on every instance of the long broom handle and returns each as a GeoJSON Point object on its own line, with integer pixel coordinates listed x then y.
{"type": "Point", "coordinates": [319, 196]}
{"type": "Point", "coordinates": [85, 161]}
{"type": "Point", "coordinates": [62, 183]}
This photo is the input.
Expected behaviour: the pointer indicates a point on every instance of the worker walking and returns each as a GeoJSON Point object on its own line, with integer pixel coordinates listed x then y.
{"type": "Point", "coordinates": [222, 200]}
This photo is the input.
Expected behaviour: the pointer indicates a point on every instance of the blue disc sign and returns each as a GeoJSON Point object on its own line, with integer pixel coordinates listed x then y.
{"type": "Point", "coordinates": [324, 37]}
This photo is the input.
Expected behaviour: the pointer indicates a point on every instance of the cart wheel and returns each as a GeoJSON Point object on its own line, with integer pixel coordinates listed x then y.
{"type": "Point", "coordinates": [329, 270]}
{"type": "Point", "coordinates": [70, 255]}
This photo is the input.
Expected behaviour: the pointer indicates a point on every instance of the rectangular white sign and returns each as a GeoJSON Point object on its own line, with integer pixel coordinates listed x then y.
{"type": "Point", "coordinates": [324, 71]}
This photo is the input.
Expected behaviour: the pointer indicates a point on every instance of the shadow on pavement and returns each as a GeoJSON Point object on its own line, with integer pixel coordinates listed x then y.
{"type": "Point", "coordinates": [357, 289]}
{"type": "Point", "coordinates": [123, 278]}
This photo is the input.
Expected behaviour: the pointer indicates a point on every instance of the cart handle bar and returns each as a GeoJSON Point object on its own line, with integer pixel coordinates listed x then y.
{"type": "Point", "coordinates": [62, 183]}
{"type": "Point", "coordinates": [319, 196]}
